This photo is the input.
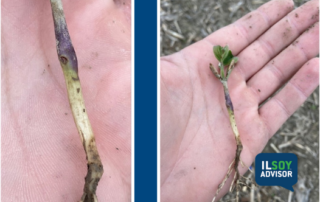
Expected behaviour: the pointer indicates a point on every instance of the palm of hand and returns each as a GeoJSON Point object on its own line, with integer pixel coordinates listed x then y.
{"type": "Point", "coordinates": [204, 143]}
{"type": "Point", "coordinates": [42, 155]}
{"type": "Point", "coordinates": [197, 142]}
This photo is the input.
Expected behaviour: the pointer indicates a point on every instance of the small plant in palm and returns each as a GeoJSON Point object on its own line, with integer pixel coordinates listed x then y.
{"type": "Point", "coordinates": [68, 61]}
{"type": "Point", "coordinates": [226, 64]}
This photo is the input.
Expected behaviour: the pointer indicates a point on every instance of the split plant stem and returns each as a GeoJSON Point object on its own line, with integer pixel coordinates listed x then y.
{"type": "Point", "coordinates": [226, 64]}
{"type": "Point", "coordinates": [69, 64]}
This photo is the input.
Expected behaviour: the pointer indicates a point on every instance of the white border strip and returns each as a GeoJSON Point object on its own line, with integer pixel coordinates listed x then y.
{"type": "Point", "coordinates": [1, 103]}
{"type": "Point", "coordinates": [132, 101]}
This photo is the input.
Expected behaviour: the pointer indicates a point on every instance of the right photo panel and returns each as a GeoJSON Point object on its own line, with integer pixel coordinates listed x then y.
{"type": "Point", "coordinates": [239, 100]}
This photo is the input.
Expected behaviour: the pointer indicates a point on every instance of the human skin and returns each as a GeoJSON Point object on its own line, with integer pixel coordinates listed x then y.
{"type": "Point", "coordinates": [42, 154]}
{"type": "Point", "coordinates": [275, 45]}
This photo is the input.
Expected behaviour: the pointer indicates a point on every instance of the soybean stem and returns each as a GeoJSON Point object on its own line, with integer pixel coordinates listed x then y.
{"type": "Point", "coordinates": [69, 64]}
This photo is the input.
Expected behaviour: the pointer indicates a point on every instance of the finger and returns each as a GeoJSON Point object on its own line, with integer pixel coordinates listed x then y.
{"type": "Point", "coordinates": [239, 34]}
{"type": "Point", "coordinates": [288, 62]}
{"type": "Point", "coordinates": [279, 108]}
{"type": "Point", "coordinates": [276, 38]}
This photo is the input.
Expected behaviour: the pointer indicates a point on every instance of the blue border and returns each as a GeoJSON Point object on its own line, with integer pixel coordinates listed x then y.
{"type": "Point", "coordinates": [145, 53]}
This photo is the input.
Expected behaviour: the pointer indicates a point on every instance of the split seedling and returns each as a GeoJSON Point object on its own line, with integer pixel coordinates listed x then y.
{"type": "Point", "coordinates": [69, 64]}
{"type": "Point", "coordinates": [226, 64]}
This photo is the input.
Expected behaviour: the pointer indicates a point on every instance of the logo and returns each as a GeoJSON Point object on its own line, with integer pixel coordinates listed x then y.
{"type": "Point", "coordinates": [276, 169]}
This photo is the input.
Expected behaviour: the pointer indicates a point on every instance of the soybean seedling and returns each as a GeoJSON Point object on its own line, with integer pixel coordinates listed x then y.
{"type": "Point", "coordinates": [226, 64]}
{"type": "Point", "coordinates": [68, 61]}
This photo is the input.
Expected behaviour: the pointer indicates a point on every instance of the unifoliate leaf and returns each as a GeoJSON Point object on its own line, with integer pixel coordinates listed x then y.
{"type": "Point", "coordinates": [217, 50]}
{"type": "Point", "coordinates": [225, 49]}
{"type": "Point", "coordinates": [227, 58]}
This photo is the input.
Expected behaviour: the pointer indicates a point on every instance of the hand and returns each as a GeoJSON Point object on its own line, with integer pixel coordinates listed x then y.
{"type": "Point", "coordinates": [274, 45]}
{"type": "Point", "coordinates": [42, 154]}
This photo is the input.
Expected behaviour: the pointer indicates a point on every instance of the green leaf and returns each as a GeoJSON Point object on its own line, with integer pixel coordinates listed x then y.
{"type": "Point", "coordinates": [225, 49]}
{"type": "Point", "coordinates": [217, 50]}
{"type": "Point", "coordinates": [227, 57]}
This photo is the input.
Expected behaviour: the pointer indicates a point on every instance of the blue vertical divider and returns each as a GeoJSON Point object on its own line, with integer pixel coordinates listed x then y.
{"type": "Point", "coordinates": [145, 41]}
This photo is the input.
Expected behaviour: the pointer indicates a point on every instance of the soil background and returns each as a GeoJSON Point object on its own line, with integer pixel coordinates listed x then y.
{"type": "Point", "coordinates": [184, 22]}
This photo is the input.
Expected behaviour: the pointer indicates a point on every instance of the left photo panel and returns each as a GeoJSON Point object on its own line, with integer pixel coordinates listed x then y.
{"type": "Point", "coordinates": [66, 100]}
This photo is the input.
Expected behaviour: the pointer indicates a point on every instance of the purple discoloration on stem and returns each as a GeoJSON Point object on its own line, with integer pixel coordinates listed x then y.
{"type": "Point", "coordinates": [227, 95]}
{"type": "Point", "coordinates": [228, 101]}
{"type": "Point", "coordinates": [65, 50]}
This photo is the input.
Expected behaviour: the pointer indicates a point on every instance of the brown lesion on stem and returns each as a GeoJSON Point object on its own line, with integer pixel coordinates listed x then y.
{"type": "Point", "coordinates": [63, 59]}
{"type": "Point", "coordinates": [69, 64]}
{"type": "Point", "coordinates": [95, 170]}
